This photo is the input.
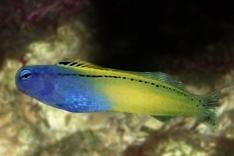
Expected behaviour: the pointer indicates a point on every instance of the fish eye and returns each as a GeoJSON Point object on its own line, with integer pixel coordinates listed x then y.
{"type": "Point", "coordinates": [25, 74]}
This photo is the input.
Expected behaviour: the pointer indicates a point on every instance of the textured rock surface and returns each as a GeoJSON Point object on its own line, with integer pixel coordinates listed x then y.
{"type": "Point", "coordinates": [29, 128]}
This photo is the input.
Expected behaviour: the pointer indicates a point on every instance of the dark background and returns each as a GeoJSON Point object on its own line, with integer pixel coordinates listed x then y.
{"type": "Point", "coordinates": [172, 36]}
{"type": "Point", "coordinates": [168, 34]}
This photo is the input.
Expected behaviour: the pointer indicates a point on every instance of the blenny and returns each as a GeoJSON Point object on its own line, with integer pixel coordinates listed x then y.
{"type": "Point", "coordinates": [78, 86]}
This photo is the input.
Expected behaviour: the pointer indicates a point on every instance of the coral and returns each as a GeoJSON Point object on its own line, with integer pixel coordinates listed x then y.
{"type": "Point", "coordinates": [43, 32]}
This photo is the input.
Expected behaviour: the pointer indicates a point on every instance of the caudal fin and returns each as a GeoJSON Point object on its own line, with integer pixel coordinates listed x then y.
{"type": "Point", "coordinates": [209, 112]}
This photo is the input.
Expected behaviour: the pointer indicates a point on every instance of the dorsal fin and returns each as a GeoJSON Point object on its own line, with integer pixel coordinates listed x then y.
{"type": "Point", "coordinates": [77, 63]}
{"type": "Point", "coordinates": [152, 75]}
{"type": "Point", "coordinates": [163, 77]}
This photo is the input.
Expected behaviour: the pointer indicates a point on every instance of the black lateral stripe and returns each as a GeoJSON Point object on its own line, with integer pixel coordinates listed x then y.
{"type": "Point", "coordinates": [67, 74]}
{"type": "Point", "coordinates": [123, 77]}
{"type": "Point", "coordinates": [81, 75]}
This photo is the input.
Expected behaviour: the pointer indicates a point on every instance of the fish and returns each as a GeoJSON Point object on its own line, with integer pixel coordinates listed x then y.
{"type": "Point", "coordinates": [82, 87]}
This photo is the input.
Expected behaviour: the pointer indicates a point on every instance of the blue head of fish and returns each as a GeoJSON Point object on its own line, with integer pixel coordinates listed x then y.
{"type": "Point", "coordinates": [60, 87]}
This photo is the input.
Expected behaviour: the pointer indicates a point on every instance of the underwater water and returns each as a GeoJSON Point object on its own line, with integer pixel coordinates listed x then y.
{"type": "Point", "coordinates": [191, 42]}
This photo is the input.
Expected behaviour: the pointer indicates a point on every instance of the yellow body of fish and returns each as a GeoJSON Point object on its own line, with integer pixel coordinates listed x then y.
{"type": "Point", "coordinates": [77, 86]}
{"type": "Point", "coordinates": [152, 93]}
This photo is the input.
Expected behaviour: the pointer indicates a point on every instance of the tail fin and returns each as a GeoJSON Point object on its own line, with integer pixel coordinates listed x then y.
{"type": "Point", "coordinates": [209, 112]}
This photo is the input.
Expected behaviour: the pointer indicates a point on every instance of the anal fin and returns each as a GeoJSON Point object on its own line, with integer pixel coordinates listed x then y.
{"type": "Point", "coordinates": [163, 118]}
